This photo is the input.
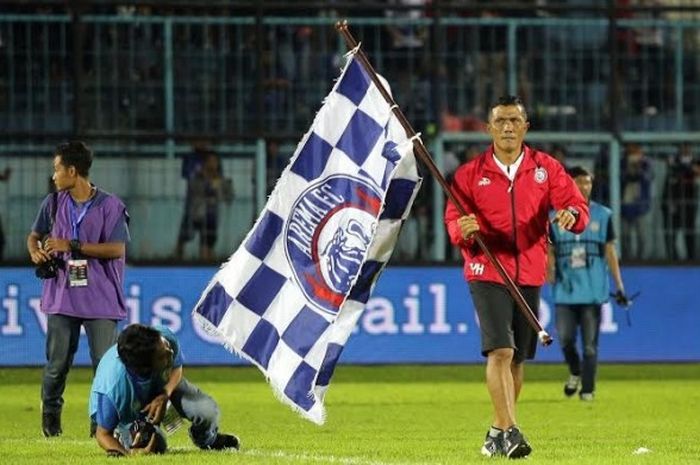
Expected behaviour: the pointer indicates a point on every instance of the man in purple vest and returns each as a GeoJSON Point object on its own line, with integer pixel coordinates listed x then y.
{"type": "Point", "coordinates": [78, 243]}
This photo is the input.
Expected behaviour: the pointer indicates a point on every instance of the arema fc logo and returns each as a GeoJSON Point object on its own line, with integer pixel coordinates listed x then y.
{"type": "Point", "coordinates": [327, 234]}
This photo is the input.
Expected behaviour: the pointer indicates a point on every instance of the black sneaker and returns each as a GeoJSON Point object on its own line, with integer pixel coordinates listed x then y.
{"type": "Point", "coordinates": [572, 385]}
{"type": "Point", "coordinates": [225, 441]}
{"type": "Point", "coordinates": [51, 424]}
{"type": "Point", "coordinates": [514, 444]}
{"type": "Point", "coordinates": [493, 446]}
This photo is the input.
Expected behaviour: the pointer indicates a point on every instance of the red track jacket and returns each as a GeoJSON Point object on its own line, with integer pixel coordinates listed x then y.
{"type": "Point", "coordinates": [514, 220]}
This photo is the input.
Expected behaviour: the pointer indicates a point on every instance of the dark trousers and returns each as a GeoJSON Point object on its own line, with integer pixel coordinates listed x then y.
{"type": "Point", "coordinates": [684, 221]}
{"type": "Point", "coordinates": [569, 318]}
{"type": "Point", "coordinates": [194, 405]}
{"type": "Point", "coordinates": [62, 335]}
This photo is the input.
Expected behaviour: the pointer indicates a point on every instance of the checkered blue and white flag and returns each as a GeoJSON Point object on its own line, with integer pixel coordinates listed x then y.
{"type": "Point", "coordinates": [289, 297]}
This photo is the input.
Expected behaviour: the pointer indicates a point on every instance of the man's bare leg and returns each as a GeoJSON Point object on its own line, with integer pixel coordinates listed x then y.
{"type": "Point", "coordinates": [499, 380]}
{"type": "Point", "coordinates": [518, 371]}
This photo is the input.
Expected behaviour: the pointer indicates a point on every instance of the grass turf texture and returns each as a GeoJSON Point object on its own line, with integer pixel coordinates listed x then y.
{"type": "Point", "coordinates": [394, 415]}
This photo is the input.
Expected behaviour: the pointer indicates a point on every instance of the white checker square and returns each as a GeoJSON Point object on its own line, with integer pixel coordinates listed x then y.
{"type": "Point", "coordinates": [288, 188]}
{"type": "Point", "coordinates": [282, 365]}
{"type": "Point", "coordinates": [340, 163]}
{"type": "Point", "coordinates": [238, 270]}
{"type": "Point", "coordinates": [375, 164]}
{"type": "Point", "coordinates": [375, 106]}
{"type": "Point", "coordinates": [386, 235]}
{"type": "Point", "coordinates": [407, 165]}
{"type": "Point", "coordinates": [237, 324]}
{"type": "Point", "coordinates": [276, 258]}
{"type": "Point", "coordinates": [333, 118]}
{"type": "Point", "coordinates": [318, 351]}
{"type": "Point", "coordinates": [345, 323]}
{"type": "Point", "coordinates": [286, 306]}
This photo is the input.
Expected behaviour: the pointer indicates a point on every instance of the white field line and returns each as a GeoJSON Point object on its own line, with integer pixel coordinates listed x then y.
{"type": "Point", "coordinates": [323, 458]}
{"type": "Point", "coordinates": [279, 454]}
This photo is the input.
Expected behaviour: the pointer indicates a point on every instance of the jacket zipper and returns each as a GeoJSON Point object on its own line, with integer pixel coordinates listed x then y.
{"type": "Point", "coordinates": [515, 236]}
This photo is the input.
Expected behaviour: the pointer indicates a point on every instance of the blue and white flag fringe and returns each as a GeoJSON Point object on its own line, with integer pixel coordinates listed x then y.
{"type": "Point", "coordinates": [289, 297]}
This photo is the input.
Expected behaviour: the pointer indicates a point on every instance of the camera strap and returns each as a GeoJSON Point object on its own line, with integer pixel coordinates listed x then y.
{"type": "Point", "coordinates": [54, 210]}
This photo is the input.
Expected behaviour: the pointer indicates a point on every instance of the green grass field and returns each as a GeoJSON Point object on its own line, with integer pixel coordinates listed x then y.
{"type": "Point", "coordinates": [394, 415]}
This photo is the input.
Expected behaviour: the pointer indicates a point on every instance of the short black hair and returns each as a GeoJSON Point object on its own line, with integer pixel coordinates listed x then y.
{"type": "Point", "coordinates": [75, 153]}
{"type": "Point", "coordinates": [577, 171]}
{"type": "Point", "coordinates": [136, 345]}
{"type": "Point", "coordinates": [507, 101]}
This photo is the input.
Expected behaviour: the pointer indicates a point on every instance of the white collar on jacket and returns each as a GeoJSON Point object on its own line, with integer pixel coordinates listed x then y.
{"type": "Point", "coordinates": [509, 170]}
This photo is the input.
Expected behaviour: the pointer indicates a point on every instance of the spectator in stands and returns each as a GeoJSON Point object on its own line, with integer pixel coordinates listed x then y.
{"type": "Point", "coordinates": [276, 163]}
{"type": "Point", "coordinates": [559, 153]}
{"type": "Point", "coordinates": [491, 63]}
{"type": "Point", "coordinates": [681, 201]}
{"type": "Point", "coordinates": [407, 45]}
{"type": "Point", "coordinates": [406, 39]}
{"type": "Point", "coordinates": [205, 191]}
{"type": "Point", "coordinates": [3, 177]}
{"type": "Point", "coordinates": [649, 63]}
{"type": "Point", "coordinates": [636, 181]}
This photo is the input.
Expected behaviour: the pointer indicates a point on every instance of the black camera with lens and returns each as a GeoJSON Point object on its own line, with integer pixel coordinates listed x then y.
{"type": "Point", "coordinates": [49, 269]}
{"type": "Point", "coordinates": [146, 429]}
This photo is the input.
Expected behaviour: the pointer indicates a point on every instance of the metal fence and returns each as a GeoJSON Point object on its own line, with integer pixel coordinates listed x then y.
{"type": "Point", "coordinates": [153, 188]}
{"type": "Point", "coordinates": [245, 75]}
{"type": "Point", "coordinates": [145, 87]}
{"type": "Point", "coordinates": [664, 228]}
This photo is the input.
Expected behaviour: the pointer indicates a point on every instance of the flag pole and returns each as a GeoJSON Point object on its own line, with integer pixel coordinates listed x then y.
{"type": "Point", "coordinates": [422, 152]}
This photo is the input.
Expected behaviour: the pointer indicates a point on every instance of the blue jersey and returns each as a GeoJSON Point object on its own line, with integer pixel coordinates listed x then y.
{"type": "Point", "coordinates": [118, 395]}
{"type": "Point", "coordinates": [581, 268]}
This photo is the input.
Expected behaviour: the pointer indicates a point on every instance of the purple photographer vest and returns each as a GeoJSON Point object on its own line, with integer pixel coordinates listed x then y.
{"type": "Point", "coordinates": [103, 297]}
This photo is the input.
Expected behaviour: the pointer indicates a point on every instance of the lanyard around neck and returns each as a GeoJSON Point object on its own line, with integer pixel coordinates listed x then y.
{"type": "Point", "coordinates": [77, 217]}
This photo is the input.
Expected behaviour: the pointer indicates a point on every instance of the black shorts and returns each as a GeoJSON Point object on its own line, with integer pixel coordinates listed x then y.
{"type": "Point", "coordinates": [502, 324]}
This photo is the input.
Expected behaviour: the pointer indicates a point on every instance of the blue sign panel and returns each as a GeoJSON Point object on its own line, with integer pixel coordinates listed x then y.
{"type": "Point", "coordinates": [422, 315]}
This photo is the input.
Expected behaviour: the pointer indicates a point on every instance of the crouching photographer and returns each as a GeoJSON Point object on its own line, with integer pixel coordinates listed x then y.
{"type": "Point", "coordinates": [133, 384]}
{"type": "Point", "coordinates": [78, 244]}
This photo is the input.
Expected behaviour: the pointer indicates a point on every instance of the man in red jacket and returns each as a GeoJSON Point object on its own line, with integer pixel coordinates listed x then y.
{"type": "Point", "coordinates": [508, 192]}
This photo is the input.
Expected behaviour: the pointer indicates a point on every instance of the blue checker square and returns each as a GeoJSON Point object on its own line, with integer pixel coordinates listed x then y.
{"type": "Point", "coordinates": [312, 158]}
{"type": "Point", "coordinates": [263, 238]}
{"type": "Point", "coordinates": [359, 137]}
{"type": "Point", "coordinates": [304, 330]}
{"type": "Point", "coordinates": [390, 152]}
{"type": "Point", "coordinates": [368, 274]}
{"type": "Point", "coordinates": [262, 342]}
{"type": "Point", "coordinates": [215, 304]}
{"type": "Point", "coordinates": [300, 384]}
{"type": "Point", "coordinates": [261, 289]}
{"type": "Point", "coordinates": [355, 83]}
{"type": "Point", "coordinates": [397, 198]}
{"type": "Point", "coordinates": [328, 366]}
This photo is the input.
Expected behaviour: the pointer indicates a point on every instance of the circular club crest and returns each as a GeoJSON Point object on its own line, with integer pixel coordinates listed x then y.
{"type": "Point", "coordinates": [327, 234]}
{"type": "Point", "coordinates": [595, 226]}
{"type": "Point", "coordinates": [540, 175]}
